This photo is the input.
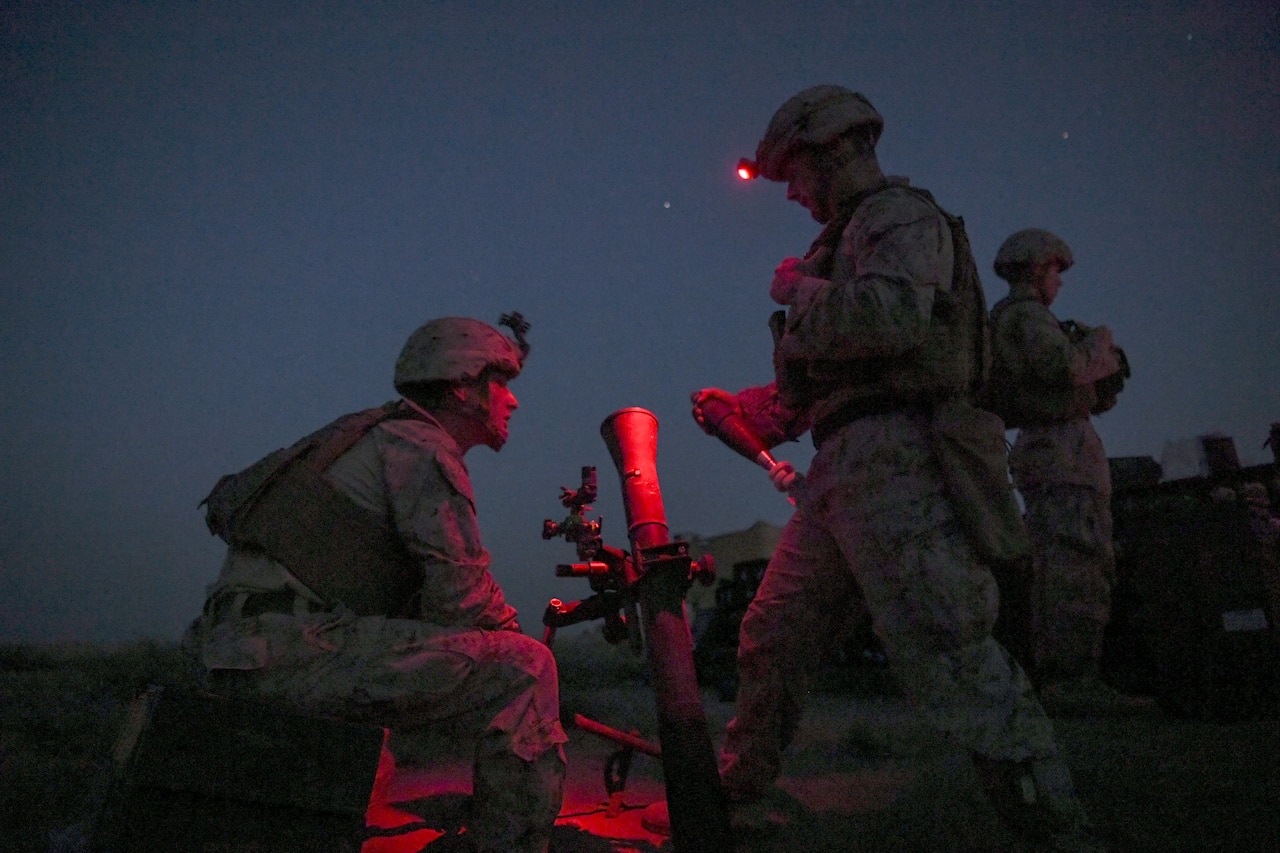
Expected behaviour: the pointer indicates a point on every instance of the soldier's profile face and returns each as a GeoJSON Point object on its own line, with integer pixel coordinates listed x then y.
{"type": "Point", "coordinates": [481, 409]}
{"type": "Point", "coordinates": [1048, 281]}
{"type": "Point", "coordinates": [809, 186]}
{"type": "Point", "coordinates": [502, 402]}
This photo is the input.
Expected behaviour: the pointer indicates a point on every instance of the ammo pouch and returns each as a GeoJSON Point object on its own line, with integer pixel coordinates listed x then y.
{"type": "Point", "coordinates": [282, 506]}
{"type": "Point", "coordinates": [969, 446]}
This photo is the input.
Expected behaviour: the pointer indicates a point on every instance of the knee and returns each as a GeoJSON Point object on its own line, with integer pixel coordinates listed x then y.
{"type": "Point", "coordinates": [763, 631]}
{"type": "Point", "coordinates": [527, 654]}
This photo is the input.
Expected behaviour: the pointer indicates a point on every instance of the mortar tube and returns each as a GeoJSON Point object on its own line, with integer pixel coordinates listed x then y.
{"type": "Point", "coordinates": [695, 800]}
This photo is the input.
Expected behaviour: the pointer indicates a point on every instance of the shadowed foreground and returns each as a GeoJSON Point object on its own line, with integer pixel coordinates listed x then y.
{"type": "Point", "coordinates": [862, 776]}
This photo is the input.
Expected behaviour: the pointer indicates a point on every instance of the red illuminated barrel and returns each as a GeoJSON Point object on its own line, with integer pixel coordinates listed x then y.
{"type": "Point", "coordinates": [695, 801]}
{"type": "Point", "coordinates": [632, 438]}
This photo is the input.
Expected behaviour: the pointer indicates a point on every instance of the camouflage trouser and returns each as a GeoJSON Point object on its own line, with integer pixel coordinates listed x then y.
{"type": "Point", "coordinates": [873, 524]}
{"type": "Point", "coordinates": [499, 689]}
{"type": "Point", "coordinates": [1074, 567]}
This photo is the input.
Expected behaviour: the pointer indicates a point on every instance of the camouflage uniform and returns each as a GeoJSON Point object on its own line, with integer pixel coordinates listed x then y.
{"type": "Point", "coordinates": [1060, 468]}
{"type": "Point", "coordinates": [462, 666]}
{"type": "Point", "coordinates": [873, 521]}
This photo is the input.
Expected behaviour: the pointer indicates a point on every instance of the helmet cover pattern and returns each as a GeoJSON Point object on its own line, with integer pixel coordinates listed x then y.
{"type": "Point", "coordinates": [1028, 247]}
{"type": "Point", "coordinates": [455, 349]}
{"type": "Point", "coordinates": [816, 116]}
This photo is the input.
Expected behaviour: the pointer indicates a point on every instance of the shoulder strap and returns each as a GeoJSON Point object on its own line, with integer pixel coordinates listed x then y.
{"type": "Point", "coordinates": [964, 277]}
{"type": "Point", "coordinates": [965, 274]}
{"type": "Point", "coordinates": [350, 429]}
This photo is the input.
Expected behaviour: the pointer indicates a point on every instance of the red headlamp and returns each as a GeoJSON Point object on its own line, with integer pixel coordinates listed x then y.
{"type": "Point", "coordinates": [748, 170]}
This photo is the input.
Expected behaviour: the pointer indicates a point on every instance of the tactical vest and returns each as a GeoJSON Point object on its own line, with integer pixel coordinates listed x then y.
{"type": "Point", "coordinates": [953, 360]}
{"type": "Point", "coordinates": [283, 507]}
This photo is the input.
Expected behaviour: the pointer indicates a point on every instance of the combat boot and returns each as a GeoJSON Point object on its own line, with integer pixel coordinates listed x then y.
{"type": "Point", "coordinates": [1037, 801]}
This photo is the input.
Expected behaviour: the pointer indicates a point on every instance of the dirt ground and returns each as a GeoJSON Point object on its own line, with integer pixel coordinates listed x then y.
{"type": "Point", "coordinates": [863, 774]}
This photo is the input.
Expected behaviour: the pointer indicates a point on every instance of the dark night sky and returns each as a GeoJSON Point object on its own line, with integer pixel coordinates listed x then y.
{"type": "Point", "coordinates": [221, 221]}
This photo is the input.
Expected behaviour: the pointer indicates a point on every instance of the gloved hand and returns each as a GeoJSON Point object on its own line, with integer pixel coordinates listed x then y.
{"type": "Point", "coordinates": [1102, 337]}
{"type": "Point", "coordinates": [794, 278]}
{"type": "Point", "coordinates": [786, 278]}
{"type": "Point", "coordinates": [783, 474]}
{"type": "Point", "coordinates": [700, 398]}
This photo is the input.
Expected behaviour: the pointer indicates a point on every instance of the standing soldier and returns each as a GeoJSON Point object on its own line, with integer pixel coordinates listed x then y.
{"type": "Point", "coordinates": [877, 355]}
{"type": "Point", "coordinates": [357, 585]}
{"type": "Point", "coordinates": [1048, 378]}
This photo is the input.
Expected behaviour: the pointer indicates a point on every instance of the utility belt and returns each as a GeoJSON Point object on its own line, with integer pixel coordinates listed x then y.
{"type": "Point", "coordinates": [244, 605]}
{"type": "Point", "coordinates": [856, 410]}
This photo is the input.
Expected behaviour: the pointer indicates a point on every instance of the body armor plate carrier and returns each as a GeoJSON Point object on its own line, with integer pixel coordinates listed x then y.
{"type": "Point", "coordinates": [284, 507]}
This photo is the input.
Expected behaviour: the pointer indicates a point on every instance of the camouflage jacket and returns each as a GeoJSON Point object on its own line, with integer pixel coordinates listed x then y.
{"type": "Point", "coordinates": [1043, 380]}
{"type": "Point", "coordinates": [1043, 374]}
{"type": "Point", "coordinates": [876, 318]}
{"type": "Point", "coordinates": [411, 473]}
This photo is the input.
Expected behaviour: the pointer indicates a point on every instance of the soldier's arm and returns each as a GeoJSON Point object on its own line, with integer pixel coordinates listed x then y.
{"type": "Point", "coordinates": [1052, 358]}
{"type": "Point", "coordinates": [1094, 357]}
{"type": "Point", "coordinates": [771, 419]}
{"type": "Point", "coordinates": [434, 514]}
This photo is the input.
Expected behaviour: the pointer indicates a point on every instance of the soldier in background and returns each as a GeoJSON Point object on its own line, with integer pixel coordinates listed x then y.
{"type": "Point", "coordinates": [879, 350]}
{"type": "Point", "coordinates": [385, 610]}
{"type": "Point", "coordinates": [1047, 380]}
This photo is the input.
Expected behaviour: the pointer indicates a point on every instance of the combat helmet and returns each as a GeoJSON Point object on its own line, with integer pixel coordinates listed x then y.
{"type": "Point", "coordinates": [816, 116]}
{"type": "Point", "coordinates": [1028, 247]}
{"type": "Point", "coordinates": [455, 349]}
